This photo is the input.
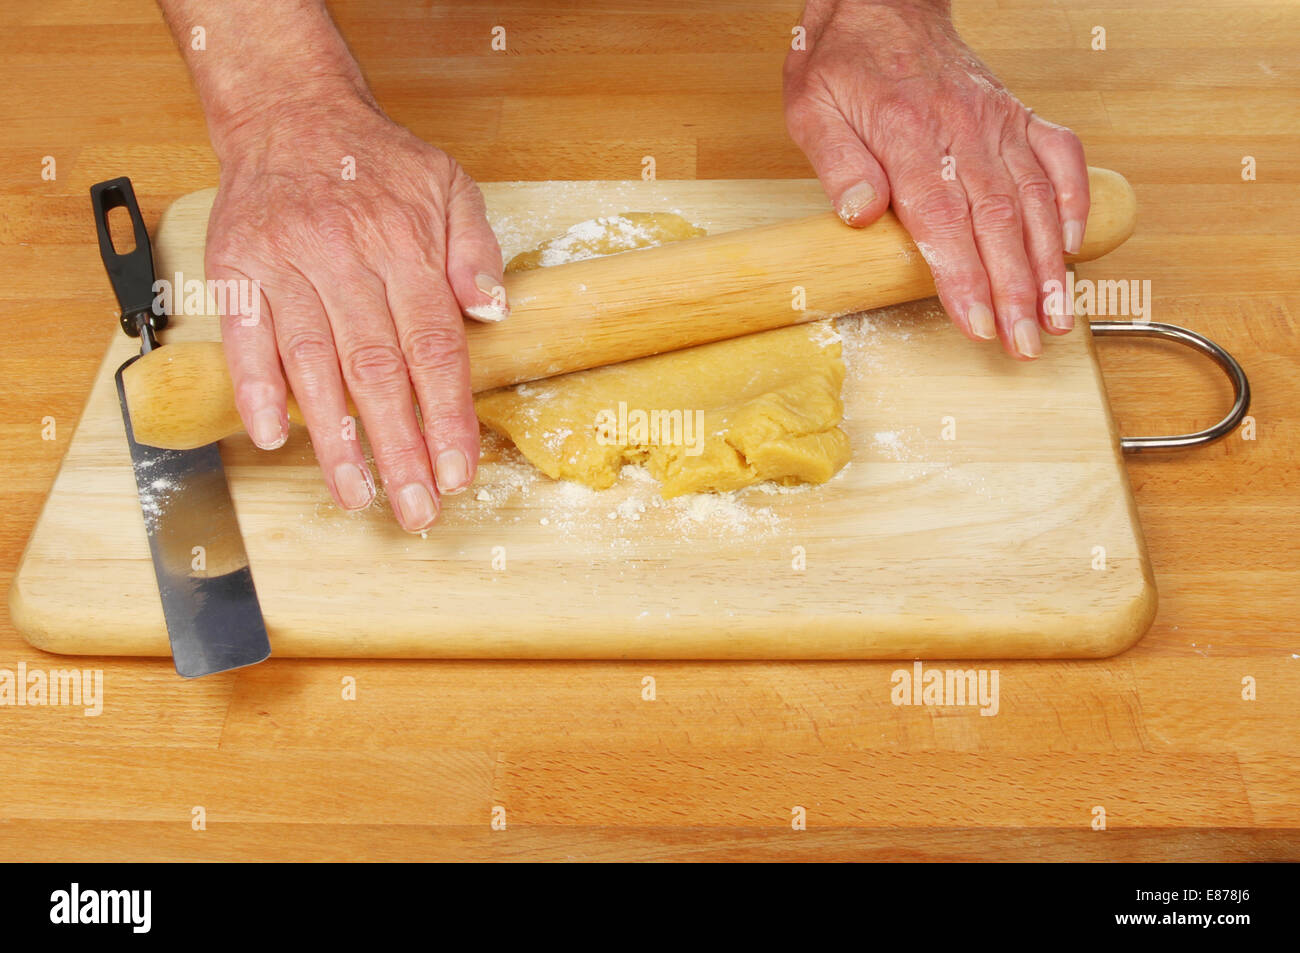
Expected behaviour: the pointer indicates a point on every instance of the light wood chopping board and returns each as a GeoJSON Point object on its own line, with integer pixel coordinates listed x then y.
{"type": "Point", "coordinates": [986, 511]}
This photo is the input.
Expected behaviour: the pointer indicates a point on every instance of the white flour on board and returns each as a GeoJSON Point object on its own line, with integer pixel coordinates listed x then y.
{"type": "Point", "coordinates": [870, 341]}
{"type": "Point", "coordinates": [512, 491]}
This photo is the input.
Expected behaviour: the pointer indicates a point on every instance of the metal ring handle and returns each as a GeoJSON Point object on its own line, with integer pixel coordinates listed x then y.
{"type": "Point", "coordinates": [1172, 332]}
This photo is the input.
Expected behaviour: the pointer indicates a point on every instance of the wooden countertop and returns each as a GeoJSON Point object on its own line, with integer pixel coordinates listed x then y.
{"type": "Point", "coordinates": [1160, 737]}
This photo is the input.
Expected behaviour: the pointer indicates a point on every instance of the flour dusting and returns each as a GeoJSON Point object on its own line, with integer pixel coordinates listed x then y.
{"type": "Point", "coordinates": [586, 239]}
{"type": "Point", "coordinates": [510, 486]}
{"type": "Point", "coordinates": [154, 494]}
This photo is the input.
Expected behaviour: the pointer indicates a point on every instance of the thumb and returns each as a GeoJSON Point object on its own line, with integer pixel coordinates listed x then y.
{"type": "Point", "coordinates": [474, 266]}
{"type": "Point", "coordinates": [854, 181]}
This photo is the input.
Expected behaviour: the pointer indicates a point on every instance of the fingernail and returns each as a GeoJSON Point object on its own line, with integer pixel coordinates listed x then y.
{"type": "Point", "coordinates": [488, 284]}
{"type": "Point", "coordinates": [497, 309]}
{"type": "Point", "coordinates": [269, 431]}
{"type": "Point", "coordinates": [452, 471]}
{"type": "Point", "coordinates": [416, 506]}
{"type": "Point", "coordinates": [1072, 237]}
{"type": "Point", "coordinates": [356, 488]}
{"type": "Point", "coordinates": [1025, 334]}
{"type": "Point", "coordinates": [855, 199]}
{"type": "Point", "coordinates": [487, 312]}
{"type": "Point", "coordinates": [1060, 319]}
{"type": "Point", "coordinates": [981, 323]}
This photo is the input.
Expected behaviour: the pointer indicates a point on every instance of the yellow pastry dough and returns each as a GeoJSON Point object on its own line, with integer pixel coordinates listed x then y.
{"type": "Point", "coordinates": [716, 417]}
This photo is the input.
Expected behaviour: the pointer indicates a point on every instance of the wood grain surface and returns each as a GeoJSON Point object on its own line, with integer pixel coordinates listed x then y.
{"type": "Point", "coordinates": [584, 768]}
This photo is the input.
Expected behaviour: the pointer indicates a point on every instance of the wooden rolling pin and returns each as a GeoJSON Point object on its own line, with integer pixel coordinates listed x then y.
{"type": "Point", "coordinates": [606, 310]}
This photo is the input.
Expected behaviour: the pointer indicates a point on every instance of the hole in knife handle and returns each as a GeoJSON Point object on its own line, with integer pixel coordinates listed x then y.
{"type": "Point", "coordinates": [121, 230]}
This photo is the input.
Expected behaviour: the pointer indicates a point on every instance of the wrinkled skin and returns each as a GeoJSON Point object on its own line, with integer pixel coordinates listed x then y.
{"type": "Point", "coordinates": [363, 283]}
{"type": "Point", "coordinates": [884, 99]}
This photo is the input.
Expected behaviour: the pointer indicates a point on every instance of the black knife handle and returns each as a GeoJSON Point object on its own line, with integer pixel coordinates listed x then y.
{"type": "Point", "coordinates": [132, 273]}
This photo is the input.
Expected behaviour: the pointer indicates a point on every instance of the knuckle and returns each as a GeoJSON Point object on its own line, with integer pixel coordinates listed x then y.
{"type": "Point", "coordinates": [256, 392]}
{"type": "Point", "coordinates": [306, 347]}
{"type": "Point", "coordinates": [802, 119]}
{"type": "Point", "coordinates": [466, 189]}
{"type": "Point", "coordinates": [800, 75]}
{"type": "Point", "coordinates": [1038, 190]}
{"type": "Point", "coordinates": [1075, 199]}
{"type": "Point", "coordinates": [411, 226]}
{"type": "Point", "coordinates": [1063, 138]}
{"type": "Point", "coordinates": [792, 68]}
{"type": "Point", "coordinates": [327, 441]}
{"type": "Point", "coordinates": [996, 210]}
{"type": "Point", "coordinates": [284, 244]}
{"type": "Point", "coordinates": [230, 253]}
{"type": "Point", "coordinates": [447, 429]}
{"type": "Point", "coordinates": [1019, 293]}
{"type": "Point", "coordinates": [1050, 266]}
{"type": "Point", "coordinates": [374, 363]}
{"type": "Point", "coordinates": [895, 115]}
{"type": "Point", "coordinates": [330, 217]}
{"type": "Point", "coordinates": [442, 166]}
{"type": "Point", "coordinates": [415, 244]}
{"type": "Point", "coordinates": [799, 109]}
{"type": "Point", "coordinates": [433, 348]}
{"type": "Point", "coordinates": [333, 230]}
{"type": "Point", "coordinates": [397, 453]}
{"type": "Point", "coordinates": [941, 210]}
{"type": "Point", "coordinates": [961, 281]}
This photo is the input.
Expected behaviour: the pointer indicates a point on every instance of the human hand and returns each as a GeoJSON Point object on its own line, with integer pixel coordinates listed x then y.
{"type": "Point", "coordinates": [364, 280]}
{"type": "Point", "coordinates": [887, 100]}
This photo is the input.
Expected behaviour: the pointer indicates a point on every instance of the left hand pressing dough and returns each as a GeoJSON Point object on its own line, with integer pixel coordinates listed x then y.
{"type": "Point", "coordinates": [716, 417]}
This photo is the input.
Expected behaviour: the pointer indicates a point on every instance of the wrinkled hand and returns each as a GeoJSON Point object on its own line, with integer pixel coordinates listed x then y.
{"type": "Point", "coordinates": [363, 282]}
{"type": "Point", "coordinates": [887, 100]}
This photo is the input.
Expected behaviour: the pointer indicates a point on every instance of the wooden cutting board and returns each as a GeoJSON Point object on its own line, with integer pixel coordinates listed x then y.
{"type": "Point", "coordinates": [986, 511]}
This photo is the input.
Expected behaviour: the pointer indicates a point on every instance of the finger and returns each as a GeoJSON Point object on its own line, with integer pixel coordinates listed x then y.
{"type": "Point", "coordinates": [1000, 237]}
{"type": "Point", "coordinates": [474, 266]}
{"type": "Point", "coordinates": [935, 211]}
{"type": "Point", "coordinates": [432, 337]}
{"type": "Point", "coordinates": [248, 339]}
{"type": "Point", "coordinates": [1042, 238]}
{"type": "Point", "coordinates": [376, 375]}
{"type": "Point", "coordinates": [1060, 153]}
{"type": "Point", "coordinates": [852, 178]}
{"type": "Point", "coordinates": [306, 348]}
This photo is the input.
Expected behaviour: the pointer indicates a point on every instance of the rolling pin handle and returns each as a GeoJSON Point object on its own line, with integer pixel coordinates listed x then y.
{"type": "Point", "coordinates": [131, 273]}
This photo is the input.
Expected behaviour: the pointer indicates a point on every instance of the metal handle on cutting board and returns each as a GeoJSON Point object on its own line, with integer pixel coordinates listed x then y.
{"type": "Point", "coordinates": [1172, 332]}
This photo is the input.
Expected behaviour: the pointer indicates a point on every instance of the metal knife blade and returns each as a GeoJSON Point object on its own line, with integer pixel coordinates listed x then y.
{"type": "Point", "coordinates": [214, 620]}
